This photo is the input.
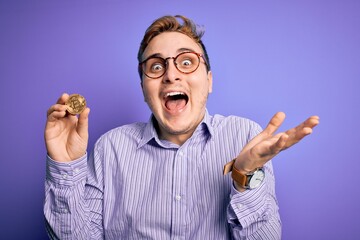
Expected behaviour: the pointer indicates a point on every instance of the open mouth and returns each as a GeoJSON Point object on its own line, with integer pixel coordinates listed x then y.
{"type": "Point", "coordinates": [175, 101]}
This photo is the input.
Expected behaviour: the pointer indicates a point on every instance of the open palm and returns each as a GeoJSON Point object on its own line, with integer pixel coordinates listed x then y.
{"type": "Point", "coordinates": [267, 144]}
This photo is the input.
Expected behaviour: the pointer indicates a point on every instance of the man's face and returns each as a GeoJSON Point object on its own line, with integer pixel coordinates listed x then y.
{"type": "Point", "coordinates": [177, 100]}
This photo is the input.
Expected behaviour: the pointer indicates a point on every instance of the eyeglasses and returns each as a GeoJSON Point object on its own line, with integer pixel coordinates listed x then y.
{"type": "Point", "coordinates": [185, 62]}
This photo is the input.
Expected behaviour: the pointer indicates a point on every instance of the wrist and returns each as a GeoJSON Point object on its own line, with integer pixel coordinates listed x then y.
{"type": "Point", "coordinates": [238, 187]}
{"type": "Point", "coordinates": [243, 165]}
{"type": "Point", "coordinates": [244, 179]}
{"type": "Point", "coordinates": [59, 158]}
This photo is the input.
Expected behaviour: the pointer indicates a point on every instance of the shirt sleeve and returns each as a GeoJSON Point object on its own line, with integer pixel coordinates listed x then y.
{"type": "Point", "coordinates": [253, 214]}
{"type": "Point", "coordinates": [73, 199]}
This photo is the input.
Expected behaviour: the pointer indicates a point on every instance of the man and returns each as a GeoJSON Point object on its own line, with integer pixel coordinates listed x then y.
{"type": "Point", "coordinates": [163, 179]}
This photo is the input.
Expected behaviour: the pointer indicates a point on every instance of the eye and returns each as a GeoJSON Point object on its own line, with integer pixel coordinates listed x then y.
{"type": "Point", "coordinates": [157, 67]}
{"type": "Point", "coordinates": [186, 62]}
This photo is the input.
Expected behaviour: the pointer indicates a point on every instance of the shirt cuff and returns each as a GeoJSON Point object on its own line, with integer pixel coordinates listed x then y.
{"type": "Point", "coordinates": [249, 206]}
{"type": "Point", "coordinates": [66, 174]}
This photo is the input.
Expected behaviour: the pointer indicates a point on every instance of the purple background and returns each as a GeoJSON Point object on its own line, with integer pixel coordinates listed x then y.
{"type": "Point", "coordinates": [301, 57]}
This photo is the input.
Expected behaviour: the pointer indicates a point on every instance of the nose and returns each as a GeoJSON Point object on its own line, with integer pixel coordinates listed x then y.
{"type": "Point", "coordinates": [171, 72]}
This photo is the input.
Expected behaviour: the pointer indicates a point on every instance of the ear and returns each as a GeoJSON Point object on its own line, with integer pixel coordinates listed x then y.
{"type": "Point", "coordinates": [209, 77]}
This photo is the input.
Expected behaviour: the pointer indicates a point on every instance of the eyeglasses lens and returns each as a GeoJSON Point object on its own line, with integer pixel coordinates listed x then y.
{"type": "Point", "coordinates": [186, 62]}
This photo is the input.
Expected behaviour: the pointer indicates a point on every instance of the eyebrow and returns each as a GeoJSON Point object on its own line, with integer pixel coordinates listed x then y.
{"type": "Point", "coordinates": [185, 50]}
{"type": "Point", "coordinates": [180, 50]}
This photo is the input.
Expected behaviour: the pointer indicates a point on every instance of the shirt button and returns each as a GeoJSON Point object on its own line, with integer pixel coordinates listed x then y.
{"type": "Point", "coordinates": [239, 205]}
{"type": "Point", "coordinates": [178, 197]}
{"type": "Point", "coordinates": [181, 153]}
{"type": "Point", "coordinates": [76, 170]}
{"type": "Point", "coordinates": [64, 176]}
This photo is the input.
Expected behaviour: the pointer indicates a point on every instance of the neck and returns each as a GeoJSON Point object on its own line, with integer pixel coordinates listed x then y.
{"type": "Point", "coordinates": [178, 138]}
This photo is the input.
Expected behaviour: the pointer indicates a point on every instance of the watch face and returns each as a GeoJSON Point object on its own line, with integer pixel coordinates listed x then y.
{"type": "Point", "coordinates": [257, 179]}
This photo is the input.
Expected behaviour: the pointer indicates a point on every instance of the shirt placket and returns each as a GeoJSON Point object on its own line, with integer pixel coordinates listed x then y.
{"type": "Point", "coordinates": [179, 195]}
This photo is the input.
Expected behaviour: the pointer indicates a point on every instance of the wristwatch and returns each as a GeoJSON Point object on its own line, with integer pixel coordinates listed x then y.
{"type": "Point", "coordinates": [249, 180]}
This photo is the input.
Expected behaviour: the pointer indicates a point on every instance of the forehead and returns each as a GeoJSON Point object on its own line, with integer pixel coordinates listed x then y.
{"type": "Point", "coordinates": [170, 43]}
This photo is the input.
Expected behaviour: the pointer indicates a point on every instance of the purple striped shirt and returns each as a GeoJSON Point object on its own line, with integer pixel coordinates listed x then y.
{"type": "Point", "coordinates": [136, 186]}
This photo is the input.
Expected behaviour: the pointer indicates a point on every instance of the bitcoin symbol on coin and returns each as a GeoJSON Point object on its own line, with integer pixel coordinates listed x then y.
{"type": "Point", "coordinates": [76, 104]}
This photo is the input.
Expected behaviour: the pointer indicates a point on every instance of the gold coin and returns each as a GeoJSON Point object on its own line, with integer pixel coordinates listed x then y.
{"type": "Point", "coordinates": [76, 104]}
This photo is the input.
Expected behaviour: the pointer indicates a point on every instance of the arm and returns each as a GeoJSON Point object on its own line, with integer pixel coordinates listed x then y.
{"type": "Point", "coordinates": [73, 199]}
{"type": "Point", "coordinates": [73, 189]}
{"type": "Point", "coordinates": [253, 214]}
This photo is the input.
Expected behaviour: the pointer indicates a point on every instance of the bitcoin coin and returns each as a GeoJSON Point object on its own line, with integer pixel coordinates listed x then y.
{"type": "Point", "coordinates": [76, 104]}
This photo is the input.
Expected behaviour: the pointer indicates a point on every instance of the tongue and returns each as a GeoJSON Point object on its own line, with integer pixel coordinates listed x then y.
{"type": "Point", "coordinates": [174, 105]}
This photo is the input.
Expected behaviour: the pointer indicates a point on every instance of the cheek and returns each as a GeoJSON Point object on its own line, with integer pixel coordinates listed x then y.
{"type": "Point", "coordinates": [149, 94]}
{"type": "Point", "coordinates": [200, 94]}
{"type": "Point", "coordinates": [202, 83]}
{"type": "Point", "coordinates": [146, 89]}
{"type": "Point", "coordinates": [144, 93]}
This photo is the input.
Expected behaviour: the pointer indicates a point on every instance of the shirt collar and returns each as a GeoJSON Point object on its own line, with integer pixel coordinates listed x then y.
{"type": "Point", "coordinates": [151, 134]}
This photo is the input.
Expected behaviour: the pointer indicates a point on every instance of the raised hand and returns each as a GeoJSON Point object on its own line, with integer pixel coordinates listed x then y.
{"type": "Point", "coordinates": [267, 144]}
{"type": "Point", "coordinates": [66, 135]}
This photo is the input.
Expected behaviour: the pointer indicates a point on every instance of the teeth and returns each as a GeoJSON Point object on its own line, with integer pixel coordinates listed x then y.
{"type": "Point", "coordinates": [174, 93]}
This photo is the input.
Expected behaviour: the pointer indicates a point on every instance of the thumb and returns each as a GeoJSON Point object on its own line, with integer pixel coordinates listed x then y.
{"type": "Point", "coordinates": [83, 124]}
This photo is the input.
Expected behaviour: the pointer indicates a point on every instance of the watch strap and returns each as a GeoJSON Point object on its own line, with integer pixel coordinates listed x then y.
{"type": "Point", "coordinates": [236, 175]}
{"type": "Point", "coordinates": [239, 178]}
{"type": "Point", "coordinates": [228, 167]}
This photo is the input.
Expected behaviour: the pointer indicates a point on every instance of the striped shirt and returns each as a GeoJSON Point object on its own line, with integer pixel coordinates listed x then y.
{"type": "Point", "coordinates": [137, 186]}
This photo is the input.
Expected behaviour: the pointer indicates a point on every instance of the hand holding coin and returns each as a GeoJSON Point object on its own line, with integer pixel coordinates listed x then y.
{"type": "Point", "coordinates": [75, 104]}
{"type": "Point", "coordinates": [66, 130]}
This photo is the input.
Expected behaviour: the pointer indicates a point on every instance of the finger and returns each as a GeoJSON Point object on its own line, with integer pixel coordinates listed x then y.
{"type": "Point", "coordinates": [63, 98]}
{"type": "Point", "coordinates": [280, 144]}
{"type": "Point", "coordinates": [312, 121]}
{"type": "Point", "coordinates": [273, 146]}
{"type": "Point", "coordinates": [55, 109]}
{"type": "Point", "coordinates": [297, 136]}
{"type": "Point", "coordinates": [56, 115]}
{"type": "Point", "coordinates": [59, 106]}
{"type": "Point", "coordinates": [270, 129]}
{"type": "Point", "coordinates": [83, 124]}
{"type": "Point", "coordinates": [274, 123]}
{"type": "Point", "coordinates": [304, 128]}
